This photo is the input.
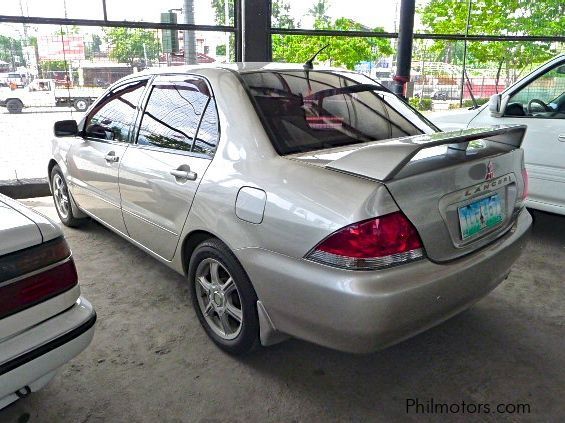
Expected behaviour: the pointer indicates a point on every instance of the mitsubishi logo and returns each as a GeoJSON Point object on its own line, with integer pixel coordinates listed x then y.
{"type": "Point", "coordinates": [490, 171]}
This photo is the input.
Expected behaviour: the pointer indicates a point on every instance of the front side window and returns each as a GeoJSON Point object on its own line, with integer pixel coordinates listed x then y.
{"type": "Point", "coordinates": [173, 113]}
{"type": "Point", "coordinates": [306, 111]}
{"type": "Point", "coordinates": [542, 98]}
{"type": "Point", "coordinates": [113, 117]}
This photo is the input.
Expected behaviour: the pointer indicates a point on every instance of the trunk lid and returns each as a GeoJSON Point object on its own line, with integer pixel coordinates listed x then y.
{"type": "Point", "coordinates": [16, 230]}
{"type": "Point", "coordinates": [458, 198]}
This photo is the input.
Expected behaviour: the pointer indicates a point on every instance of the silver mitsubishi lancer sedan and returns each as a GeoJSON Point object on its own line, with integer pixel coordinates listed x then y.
{"type": "Point", "coordinates": [299, 202]}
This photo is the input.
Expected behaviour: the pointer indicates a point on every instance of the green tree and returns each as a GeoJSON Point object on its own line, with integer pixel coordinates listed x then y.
{"type": "Point", "coordinates": [280, 15]}
{"type": "Point", "coordinates": [495, 17]}
{"type": "Point", "coordinates": [220, 17]}
{"type": "Point", "coordinates": [127, 44]}
{"type": "Point", "coordinates": [220, 11]}
{"type": "Point", "coordinates": [54, 65]}
{"type": "Point", "coordinates": [11, 50]}
{"type": "Point", "coordinates": [319, 11]}
{"type": "Point", "coordinates": [342, 51]}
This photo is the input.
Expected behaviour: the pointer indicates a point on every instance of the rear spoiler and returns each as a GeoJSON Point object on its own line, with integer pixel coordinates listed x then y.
{"type": "Point", "coordinates": [384, 159]}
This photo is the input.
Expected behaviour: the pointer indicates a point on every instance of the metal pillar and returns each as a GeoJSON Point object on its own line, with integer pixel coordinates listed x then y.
{"type": "Point", "coordinates": [256, 30]}
{"type": "Point", "coordinates": [465, 53]}
{"type": "Point", "coordinates": [190, 57]}
{"type": "Point", "coordinates": [404, 53]}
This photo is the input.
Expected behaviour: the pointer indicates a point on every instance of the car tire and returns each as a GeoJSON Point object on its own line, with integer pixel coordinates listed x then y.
{"type": "Point", "coordinates": [62, 199]}
{"type": "Point", "coordinates": [214, 306]}
{"type": "Point", "coordinates": [80, 104]}
{"type": "Point", "coordinates": [14, 106]}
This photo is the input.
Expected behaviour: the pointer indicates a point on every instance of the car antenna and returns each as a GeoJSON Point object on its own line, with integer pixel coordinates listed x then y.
{"type": "Point", "coordinates": [309, 65]}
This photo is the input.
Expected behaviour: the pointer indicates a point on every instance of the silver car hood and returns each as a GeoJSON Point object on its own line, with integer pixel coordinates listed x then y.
{"type": "Point", "coordinates": [21, 227]}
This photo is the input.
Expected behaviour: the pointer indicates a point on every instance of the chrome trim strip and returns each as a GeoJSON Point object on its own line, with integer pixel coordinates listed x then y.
{"type": "Point", "coordinates": [148, 221]}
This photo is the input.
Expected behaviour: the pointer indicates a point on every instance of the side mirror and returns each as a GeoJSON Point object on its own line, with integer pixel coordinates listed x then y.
{"type": "Point", "coordinates": [494, 105]}
{"type": "Point", "coordinates": [65, 128]}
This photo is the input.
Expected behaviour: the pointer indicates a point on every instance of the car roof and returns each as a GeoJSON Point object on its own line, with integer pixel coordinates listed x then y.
{"type": "Point", "coordinates": [239, 67]}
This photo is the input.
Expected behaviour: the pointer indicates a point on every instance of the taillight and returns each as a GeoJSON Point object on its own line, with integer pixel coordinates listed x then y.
{"type": "Point", "coordinates": [525, 178]}
{"type": "Point", "coordinates": [377, 243]}
{"type": "Point", "coordinates": [35, 275]}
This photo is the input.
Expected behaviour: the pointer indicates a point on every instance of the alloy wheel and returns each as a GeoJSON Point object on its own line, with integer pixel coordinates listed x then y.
{"type": "Point", "coordinates": [61, 196]}
{"type": "Point", "coordinates": [218, 299]}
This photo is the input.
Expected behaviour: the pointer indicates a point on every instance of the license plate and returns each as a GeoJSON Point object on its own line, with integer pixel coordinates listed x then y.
{"type": "Point", "coordinates": [480, 215]}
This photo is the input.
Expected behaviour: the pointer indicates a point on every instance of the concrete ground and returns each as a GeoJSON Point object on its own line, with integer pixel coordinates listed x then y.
{"type": "Point", "coordinates": [151, 361]}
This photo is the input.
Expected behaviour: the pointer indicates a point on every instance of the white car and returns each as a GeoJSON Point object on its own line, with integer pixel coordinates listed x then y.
{"type": "Point", "coordinates": [537, 100]}
{"type": "Point", "coordinates": [44, 322]}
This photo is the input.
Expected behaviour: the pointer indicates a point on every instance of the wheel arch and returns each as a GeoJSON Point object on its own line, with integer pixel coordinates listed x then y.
{"type": "Point", "coordinates": [16, 99]}
{"type": "Point", "coordinates": [77, 212]}
{"type": "Point", "coordinates": [189, 244]}
{"type": "Point", "coordinates": [50, 166]}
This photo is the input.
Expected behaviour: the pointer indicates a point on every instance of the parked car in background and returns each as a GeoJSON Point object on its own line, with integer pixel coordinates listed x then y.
{"type": "Point", "coordinates": [44, 322]}
{"type": "Point", "coordinates": [310, 203]}
{"type": "Point", "coordinates": [43, 93]}
{"type": "Point", "coordinates": [17, 79]}
{"type": "Point", "coordinates": [538, 101]}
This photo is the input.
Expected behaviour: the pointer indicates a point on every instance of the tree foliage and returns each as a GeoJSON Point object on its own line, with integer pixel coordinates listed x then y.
{"type": "Point", "coordinates": [342, 51]}
{"type": "Point", "coordinates": [127, 44]}
{"type": "Point", "coordinates": [54, 65]}
{"type": "Point", "coordinates": [319, 11]}
{"type": "Point", "coordinates": [495, 17]}
{"type": "Point", "coordinates": [220, 11]}
{"type": "Point", "coordinates": [10, 50]}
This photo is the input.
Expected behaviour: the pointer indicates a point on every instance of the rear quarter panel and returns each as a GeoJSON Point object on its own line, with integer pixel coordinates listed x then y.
{"type": "Point", "coordinates": [304, 203]}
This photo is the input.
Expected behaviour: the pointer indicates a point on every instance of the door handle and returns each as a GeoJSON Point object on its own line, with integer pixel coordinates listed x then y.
{"type": "Point", "coordinates": [561, 138]}
{"type": "Point", "coordinates": [184, 174]}
{"type": "Point", "coordinates": [111, 157]}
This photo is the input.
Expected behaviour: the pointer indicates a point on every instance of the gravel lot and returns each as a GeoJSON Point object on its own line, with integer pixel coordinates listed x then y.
{"type": "Point", "coordinates": [151, 361]}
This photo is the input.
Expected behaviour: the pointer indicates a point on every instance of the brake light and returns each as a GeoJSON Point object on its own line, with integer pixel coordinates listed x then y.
{"type": "Point", "coordinates": [526, 183]}
{"type": "Point", "coordinates": [377, 243]}
{"type": "Point", "coordinates": [34, 275]}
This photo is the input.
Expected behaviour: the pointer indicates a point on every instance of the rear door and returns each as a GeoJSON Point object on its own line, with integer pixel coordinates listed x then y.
{"type": "Point", "coordinates": [539, 104]}
{"type": "Point", "coordinates": [94, 160]}
{"type": "Point", "coordinates": [159, 175]}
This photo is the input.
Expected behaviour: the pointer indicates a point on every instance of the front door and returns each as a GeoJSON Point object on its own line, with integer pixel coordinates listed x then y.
{"type": "Point", "coordinates": [160, 174]}
{"type": "Point", "coordinates": [541, 105]}
{"type": "Point", "coordinates": [95, 158]}
{"type": "Point", "coordinates": [40, 94]}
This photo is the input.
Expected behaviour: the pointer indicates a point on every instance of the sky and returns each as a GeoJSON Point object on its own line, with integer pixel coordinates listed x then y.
{"type": "Point", "coordinates": [371, 13]}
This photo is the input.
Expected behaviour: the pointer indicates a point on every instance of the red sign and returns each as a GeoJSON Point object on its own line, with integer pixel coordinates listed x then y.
{"type": "Point", "coordinates": [57, 47]}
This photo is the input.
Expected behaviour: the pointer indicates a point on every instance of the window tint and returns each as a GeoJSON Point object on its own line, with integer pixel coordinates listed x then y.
{"type": "Point", "coordinates": [111, 118]}
{"type": "Point", "coordinates": [315, 110]}
{"type": "Point", "coordinates": [542, 98]}
{"type": "Point", "coordinates": [172, 114]}
{"type": "Point", "coordinates": [208, 134]}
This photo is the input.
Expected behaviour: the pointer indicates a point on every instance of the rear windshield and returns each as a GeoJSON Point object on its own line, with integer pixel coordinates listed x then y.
{"type": "Point", "coordinates": [307, 111]}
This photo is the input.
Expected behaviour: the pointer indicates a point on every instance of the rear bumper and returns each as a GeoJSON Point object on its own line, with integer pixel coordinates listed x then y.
{"type": "Point", "coordinates": [365, 311]}
{"type": "Point", "coordinates": [31, 358]}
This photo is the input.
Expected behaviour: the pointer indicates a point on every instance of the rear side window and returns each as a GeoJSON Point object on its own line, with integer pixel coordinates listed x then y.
{"type": "Point", "coordinates": [306, 111]}
{"type": "Point", "coordinates": [173, 114]}
{"type": "Point", "coordinates": [113, 117]}
{"type": "Point", "coordinates": [207, 137]}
